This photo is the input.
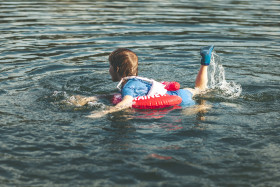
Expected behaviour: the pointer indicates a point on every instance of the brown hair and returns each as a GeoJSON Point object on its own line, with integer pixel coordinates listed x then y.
{"type": "Point", "coordinates": [124, 62]}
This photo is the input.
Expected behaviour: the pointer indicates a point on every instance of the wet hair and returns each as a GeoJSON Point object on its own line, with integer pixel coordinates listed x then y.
{"type": "Point", "coordinates": [124, 62]}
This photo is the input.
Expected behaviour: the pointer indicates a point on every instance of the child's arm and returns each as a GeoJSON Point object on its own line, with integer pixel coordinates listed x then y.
{"type": "Point", "coordinates": [125, 103]}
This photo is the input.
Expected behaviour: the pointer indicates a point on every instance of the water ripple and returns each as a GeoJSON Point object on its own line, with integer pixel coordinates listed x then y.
{"type": "Point", "coordinates": [62, 47]}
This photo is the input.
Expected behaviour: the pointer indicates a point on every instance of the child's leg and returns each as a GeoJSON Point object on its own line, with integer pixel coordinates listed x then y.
{"type": "Point", "coordinates": [202, 79]}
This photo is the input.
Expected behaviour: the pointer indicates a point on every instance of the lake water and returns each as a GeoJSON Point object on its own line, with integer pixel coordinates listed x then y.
{"type": "Point", "coordinates": [52, 50]}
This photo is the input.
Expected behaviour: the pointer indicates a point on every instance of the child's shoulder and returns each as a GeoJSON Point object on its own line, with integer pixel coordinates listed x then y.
{"type": "Point", "coordinates": [135, 82]}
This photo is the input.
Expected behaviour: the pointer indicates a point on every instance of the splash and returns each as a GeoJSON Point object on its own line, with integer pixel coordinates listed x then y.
{"type": "Point", "coordinates": [218, 82]}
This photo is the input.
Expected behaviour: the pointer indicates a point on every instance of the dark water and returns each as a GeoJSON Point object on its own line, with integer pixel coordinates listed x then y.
{"type": "Point", "coordinates": [52, 50]}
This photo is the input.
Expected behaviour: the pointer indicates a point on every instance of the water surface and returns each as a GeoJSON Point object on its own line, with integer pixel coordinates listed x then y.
{"type": "Point", "coordinates": [52, 50]}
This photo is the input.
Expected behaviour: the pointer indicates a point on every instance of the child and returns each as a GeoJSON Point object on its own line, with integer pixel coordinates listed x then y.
{"type": "Point", "coordinates": [124, 64]}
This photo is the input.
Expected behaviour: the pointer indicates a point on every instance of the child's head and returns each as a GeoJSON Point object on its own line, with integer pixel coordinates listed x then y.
{"type": "Point", "coordinates": [123, 63]}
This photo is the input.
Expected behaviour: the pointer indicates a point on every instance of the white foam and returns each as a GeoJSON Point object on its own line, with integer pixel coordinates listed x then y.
{"type": "Point", "coordinates": [217, 80]}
